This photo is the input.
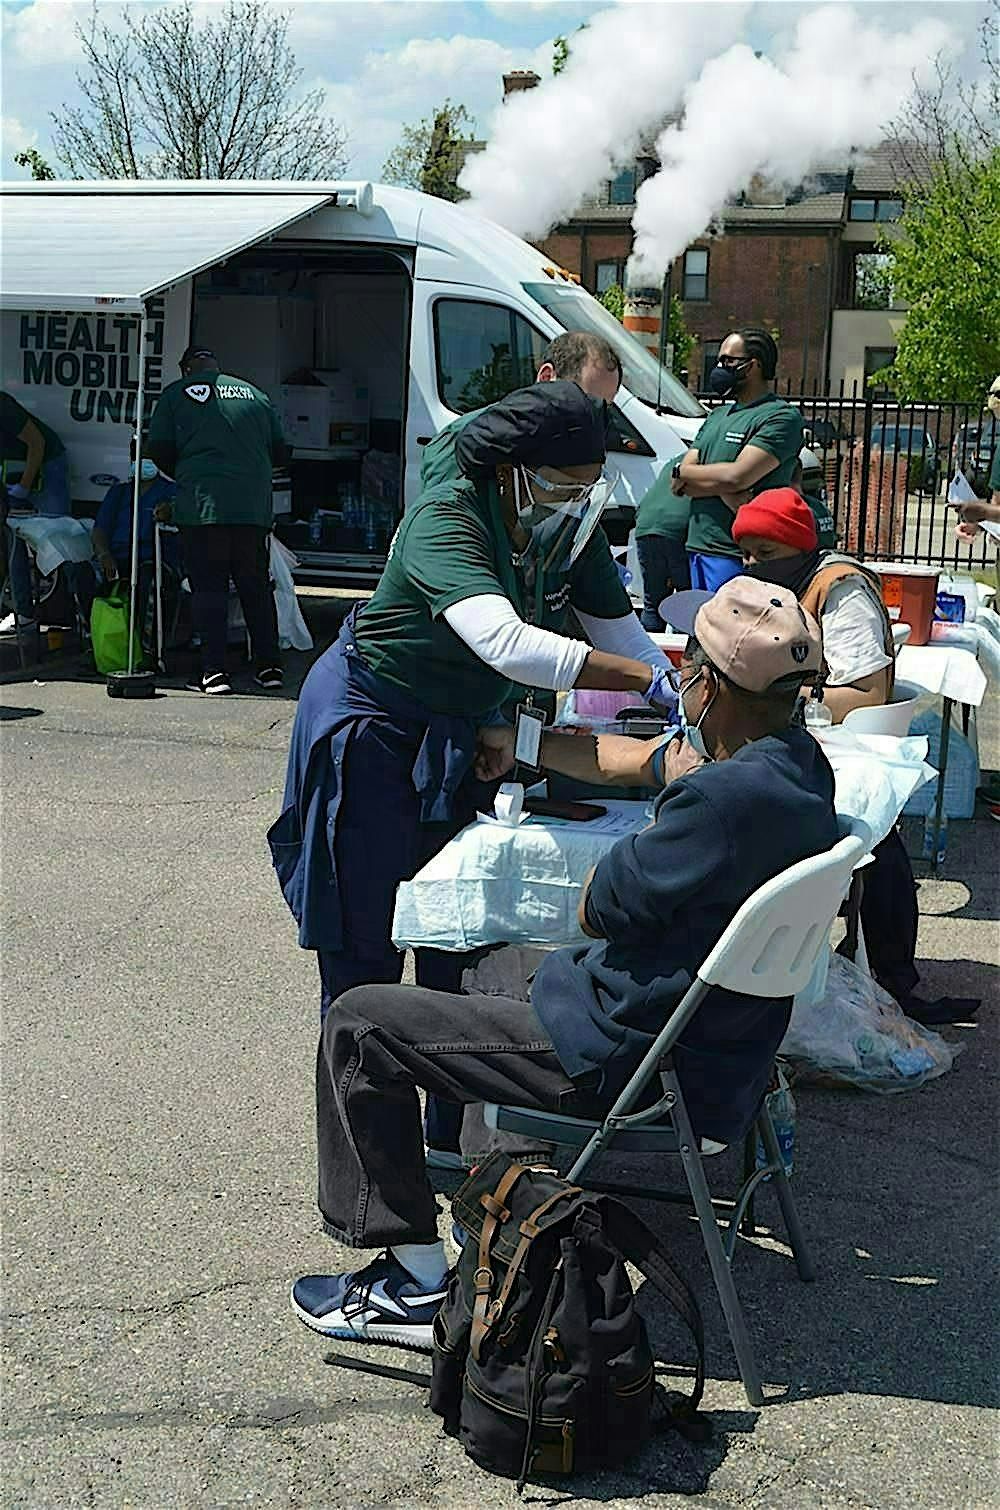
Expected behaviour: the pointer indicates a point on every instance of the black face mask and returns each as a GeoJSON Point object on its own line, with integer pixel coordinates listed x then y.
{"type": "Point", "coordinates": [793, 572]}
{"type": "Point", "coordinates": [725, 381]}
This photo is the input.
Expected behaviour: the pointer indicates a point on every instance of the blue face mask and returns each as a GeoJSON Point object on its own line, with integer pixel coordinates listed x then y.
{"type": "Point", "coordinates": [147, 471]}
{"type": "Point", "coordinates": [725, 381]}
{"type": "Point", "coordinates": [692, 732]}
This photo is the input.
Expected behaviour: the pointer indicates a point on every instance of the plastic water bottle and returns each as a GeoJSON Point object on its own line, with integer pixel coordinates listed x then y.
{"type": "Point", "coordinates": [928, 846]}
{"type": "Point", "coordinates": [368, 509]}
{"type": "Point", "coordinates": [817, 714]}
{"type": "Point", "coordinates": [315, 530]}
{"type": "Point", "coordinates": [781, 1105]}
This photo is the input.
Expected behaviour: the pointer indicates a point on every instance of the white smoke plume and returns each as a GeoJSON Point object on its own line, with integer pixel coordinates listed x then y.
{"type": "Point", "coordinates": [551, 146]}
{"type": "Point", "coordinates": [836, 87]}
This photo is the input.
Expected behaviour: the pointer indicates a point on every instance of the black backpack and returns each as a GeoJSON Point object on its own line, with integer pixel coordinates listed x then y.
{"type": "Point", "coordinates": [541, 1359]}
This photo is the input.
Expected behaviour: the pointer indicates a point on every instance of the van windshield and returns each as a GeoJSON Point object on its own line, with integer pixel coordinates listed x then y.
{"type": "Point", "coordinates": [641, 373]}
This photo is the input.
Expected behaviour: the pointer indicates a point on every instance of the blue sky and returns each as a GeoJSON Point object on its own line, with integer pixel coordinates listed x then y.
{"type": "Point", "coordinates": [381, 63]}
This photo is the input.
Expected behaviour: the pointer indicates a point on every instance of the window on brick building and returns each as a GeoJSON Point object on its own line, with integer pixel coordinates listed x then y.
{"type": "Point", "coordinates": [483, 352]}
{"type": "Point", "coordinates": [621, 190]}
{"type": "Point", "coordinates": [876, 208]}
{"type": "Point", "coordinates": [696, 273]}
{"type": "Point", "coordinates": [607, 274]}
{"type": "Point", "coordinates": [877, 360]}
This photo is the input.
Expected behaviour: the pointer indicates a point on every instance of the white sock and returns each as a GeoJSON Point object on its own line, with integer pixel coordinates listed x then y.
{"type": "Point", "coordinates": [425, 1261]}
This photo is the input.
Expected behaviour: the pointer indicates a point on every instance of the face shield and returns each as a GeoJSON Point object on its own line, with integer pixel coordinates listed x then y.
{"type": "Point", "coordinates": [560, 516]}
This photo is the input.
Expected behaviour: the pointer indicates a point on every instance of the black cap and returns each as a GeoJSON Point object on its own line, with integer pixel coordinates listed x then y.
{"type": "Point", "coordinates": [549, 424]}
{"type": "Point", "coordinates": [193, 352]}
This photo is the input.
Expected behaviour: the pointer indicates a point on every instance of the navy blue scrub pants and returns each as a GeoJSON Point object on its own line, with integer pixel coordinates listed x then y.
{"type": "Point", "coordinates": [380, 841]}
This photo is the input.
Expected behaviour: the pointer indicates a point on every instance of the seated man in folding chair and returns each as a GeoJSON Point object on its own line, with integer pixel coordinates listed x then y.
{"type": "Point", "coordinates": [658, 902]}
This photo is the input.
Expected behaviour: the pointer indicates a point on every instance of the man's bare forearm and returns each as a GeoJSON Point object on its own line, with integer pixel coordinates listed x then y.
{"type": "Point", "coordinates": [603, 759]}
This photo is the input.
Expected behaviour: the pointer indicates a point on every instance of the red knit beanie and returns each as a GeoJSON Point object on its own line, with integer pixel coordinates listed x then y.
{"type": "Point", "coordinates": [778, 514]}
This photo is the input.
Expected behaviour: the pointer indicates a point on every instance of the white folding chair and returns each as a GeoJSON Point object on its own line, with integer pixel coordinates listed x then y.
{"type": "Point", "coordinates": [893, 717]}
{"type": "Point", "coordinates": [769, 950]}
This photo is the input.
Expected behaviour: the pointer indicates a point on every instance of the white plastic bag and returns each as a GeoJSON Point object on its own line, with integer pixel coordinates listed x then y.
{"type": "Point", "coordinates": [856, 1034]}
{"type": "Point", "coordinates": [292, 631]}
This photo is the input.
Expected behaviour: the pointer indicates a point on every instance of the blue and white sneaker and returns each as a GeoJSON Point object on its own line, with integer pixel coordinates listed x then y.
{"type": "Point", "coordinates": [379, 1303]}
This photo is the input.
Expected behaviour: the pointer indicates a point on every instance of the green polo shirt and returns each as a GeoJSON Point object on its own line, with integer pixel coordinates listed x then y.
{"type": "Point", "coordinates": [770, 423]}
{"type": "Point", "coordinates": [451, 545]}
{"type": "Point", "coordinates": [219, 437]}
{"type": "Point", "coordinates": [826, 534]}
{"type": "Point", "coordinates": [661, 511]}
{"type": "Point", "coordinates": [13, 418]}
{"type": "Point", "coordinates": [995, 471]}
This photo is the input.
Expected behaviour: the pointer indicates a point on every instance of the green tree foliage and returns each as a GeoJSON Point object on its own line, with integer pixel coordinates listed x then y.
{"type": "Point", "coordinates": [613, 299]}
{"type": "Point", "coordinates": [678, 334]}
{"type": "Point", "coordinates": [429, 156]}
{"type": "Point", "coordinates": [33, 159]}
{"type": "Point", "coordinates": [947, 250]}
{"type": "Point", "coordinates": [181, 91]}
{"type": "Point", "coordinates": [560, 54]}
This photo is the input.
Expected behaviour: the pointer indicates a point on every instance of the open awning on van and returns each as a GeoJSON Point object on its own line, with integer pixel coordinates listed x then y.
{"type": "Point", "coordinates": [78, 246]}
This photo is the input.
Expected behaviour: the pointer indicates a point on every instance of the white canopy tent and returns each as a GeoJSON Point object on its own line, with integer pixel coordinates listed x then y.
{"type": "Point", "coordinates": [84, 246]}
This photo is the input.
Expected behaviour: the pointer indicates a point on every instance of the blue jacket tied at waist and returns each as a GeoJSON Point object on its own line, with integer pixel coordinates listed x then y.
{"type": "Point", "coordinates": [339, 698]}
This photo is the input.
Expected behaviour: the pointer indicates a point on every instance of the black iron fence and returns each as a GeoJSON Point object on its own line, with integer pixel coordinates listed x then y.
{"type": "Point", "coordinates": [886, 468]}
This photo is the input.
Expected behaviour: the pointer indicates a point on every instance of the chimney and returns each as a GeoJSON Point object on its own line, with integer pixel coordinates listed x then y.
{"type": "Point", "coordinates": [520, 79]}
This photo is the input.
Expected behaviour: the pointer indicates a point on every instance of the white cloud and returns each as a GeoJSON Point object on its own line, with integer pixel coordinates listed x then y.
{"type": "Point", "coordinates": [43, 34]}
{"type": "Point", "coordinates": [15, 136]}
{"type": "Point", "coordinates": [401, 86]}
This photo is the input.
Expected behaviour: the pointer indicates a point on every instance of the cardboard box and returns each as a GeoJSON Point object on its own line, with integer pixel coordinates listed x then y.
{"type": "Point", "coordinates": [328, 415]}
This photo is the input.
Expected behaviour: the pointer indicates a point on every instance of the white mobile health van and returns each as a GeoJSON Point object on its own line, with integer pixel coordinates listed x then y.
{"type": "Point", "coordinates": [371, 315]}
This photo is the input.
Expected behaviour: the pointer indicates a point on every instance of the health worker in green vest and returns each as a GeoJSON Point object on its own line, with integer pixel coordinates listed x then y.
{"type": "Point", "coordinates": [741, 448]}
{"type": "Point", "coordinates": [400, 722]}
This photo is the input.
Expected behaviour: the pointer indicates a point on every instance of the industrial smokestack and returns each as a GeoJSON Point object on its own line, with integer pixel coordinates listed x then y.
{"type": "Point", "coordinates": [644, 316]}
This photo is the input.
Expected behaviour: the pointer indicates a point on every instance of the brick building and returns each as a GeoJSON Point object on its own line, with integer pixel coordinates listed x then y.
{"type": "Point", "coordinates": [802, 261]}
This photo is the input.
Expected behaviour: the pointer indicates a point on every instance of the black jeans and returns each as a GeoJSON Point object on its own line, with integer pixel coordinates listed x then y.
{"type": "Point", "coordinates": [379, 1044]}
{"type": "Point", "coordinates": [889, 917]}
{"type": "Point", "coordinates": [212, 554]}
{"type": "Point", "coordinates": [665, 569]}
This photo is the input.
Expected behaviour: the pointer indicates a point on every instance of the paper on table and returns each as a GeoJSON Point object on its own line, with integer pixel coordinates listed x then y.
{"type": "Point", "coordinates": [611, 824]}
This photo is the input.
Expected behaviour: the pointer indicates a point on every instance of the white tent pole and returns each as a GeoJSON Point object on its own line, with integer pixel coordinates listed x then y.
{"type": "Point", "coordinates": [140, 400]}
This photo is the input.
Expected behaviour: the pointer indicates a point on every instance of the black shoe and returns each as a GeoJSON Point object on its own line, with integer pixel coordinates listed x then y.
{"type": "Point", "coordinates": [934, 1014]}
{"type": "Point", "coordinates": [271, 678]}
{"type": "Point", "coordinates": [215, 684]}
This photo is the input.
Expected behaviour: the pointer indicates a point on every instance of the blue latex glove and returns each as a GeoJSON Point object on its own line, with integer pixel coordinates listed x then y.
{"type": "Point", "coordinates": [660, 693]}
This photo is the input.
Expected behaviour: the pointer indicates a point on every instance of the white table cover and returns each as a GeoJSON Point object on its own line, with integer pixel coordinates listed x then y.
{"type": "Point", "coordinates": [493, 885]}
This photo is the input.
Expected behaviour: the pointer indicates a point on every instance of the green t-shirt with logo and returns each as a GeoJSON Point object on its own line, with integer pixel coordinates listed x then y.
{"type": "Point", "coordinates": [451, 545]}
{"type": "Point", "coordinates": [826, 534]}
{"type": "Point", "coordinates": [219, 437]}
{"type": "Point", "coordinates": [770, 423]}
{"type": "Point", "coordinates": [661, 511]}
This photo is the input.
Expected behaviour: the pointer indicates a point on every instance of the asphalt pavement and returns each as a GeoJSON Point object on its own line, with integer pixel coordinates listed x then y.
{"type": "Point", "coordinates": [159, 1031]}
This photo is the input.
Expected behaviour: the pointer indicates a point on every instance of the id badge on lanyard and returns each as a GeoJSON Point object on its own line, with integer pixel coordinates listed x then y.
{"type": "Point", "coordinates": [529, 721]}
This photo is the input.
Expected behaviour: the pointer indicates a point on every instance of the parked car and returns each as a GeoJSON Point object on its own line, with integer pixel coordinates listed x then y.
{"type": "Point", "coordinates": [923, 465]}
{"type": "Point", "coordinates": [973, 449]}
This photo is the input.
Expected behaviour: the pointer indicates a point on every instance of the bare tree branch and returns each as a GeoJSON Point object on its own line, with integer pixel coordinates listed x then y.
{"type": "Point", "coordinates": [175, 95]}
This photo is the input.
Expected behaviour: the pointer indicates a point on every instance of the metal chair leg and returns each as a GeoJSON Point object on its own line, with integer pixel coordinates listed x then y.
{"type": "Point", "coordinates": [783, 1190]}
{"type": "Point", "coordinates": [748, 1225]}
{"type": "Point", "coordinates": [712, 1238]}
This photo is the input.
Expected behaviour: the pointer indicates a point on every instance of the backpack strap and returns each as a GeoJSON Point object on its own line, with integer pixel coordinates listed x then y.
{"type": "Point", "coordinates": [496, 1214]}
{"type": "Point", "coordinates": [529, 1229]}
{"type": "Point", "coordinates": [635, 1242]}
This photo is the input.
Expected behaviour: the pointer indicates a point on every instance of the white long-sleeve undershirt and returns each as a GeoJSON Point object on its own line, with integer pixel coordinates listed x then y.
{"type": "Point", "coordinates": [494, 631]}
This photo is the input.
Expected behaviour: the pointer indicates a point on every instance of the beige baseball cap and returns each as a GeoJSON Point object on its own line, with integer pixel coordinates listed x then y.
{"type": "Point", "coordinates": [757, 634]}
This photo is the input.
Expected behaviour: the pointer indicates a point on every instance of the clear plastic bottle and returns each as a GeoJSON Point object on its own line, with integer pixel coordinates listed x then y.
{"type": "Point", "coordinates": [817, 714]}
{"type": "Point", "coordinates": [928, 845]}
{"type": "Point", "coordinates": [781, 1105]}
